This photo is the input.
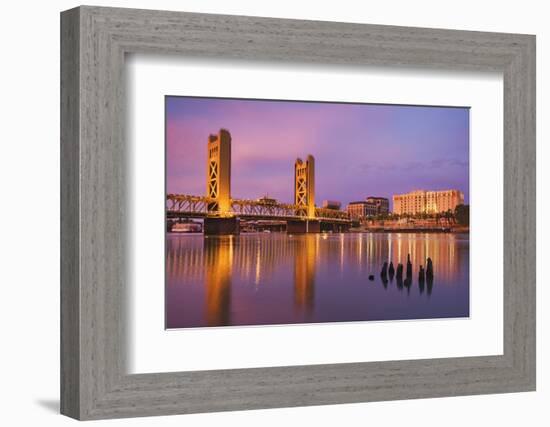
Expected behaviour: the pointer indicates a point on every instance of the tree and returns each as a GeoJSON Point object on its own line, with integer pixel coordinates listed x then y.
{"type": "Point", "coordinates": [462, 214]}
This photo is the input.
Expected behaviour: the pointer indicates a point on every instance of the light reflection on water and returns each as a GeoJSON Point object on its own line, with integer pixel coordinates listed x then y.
{"type": "Point", "coordinates": [260, 279]}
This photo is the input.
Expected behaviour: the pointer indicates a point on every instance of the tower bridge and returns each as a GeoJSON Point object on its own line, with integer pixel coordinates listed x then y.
{"type": "Point", "coordinates": [221, 212]}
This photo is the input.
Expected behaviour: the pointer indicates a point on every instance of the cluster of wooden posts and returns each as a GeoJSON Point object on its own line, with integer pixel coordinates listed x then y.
{"type": "Point", "coordinates": [424, 275]}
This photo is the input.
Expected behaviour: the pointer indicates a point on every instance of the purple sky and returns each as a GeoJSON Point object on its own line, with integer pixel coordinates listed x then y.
{"type": "Point", "coordinates": [360, 150]}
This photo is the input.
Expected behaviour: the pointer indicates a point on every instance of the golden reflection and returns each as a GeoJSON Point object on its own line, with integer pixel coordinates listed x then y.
{"type": "Point", "coordinates": [212, 265]}
{"type": "Point", "coordinates": [218, 261]}
{"type": "Point", "coordinates": [342, 253]}
{"type": "Point", "coordinates": [251, 259]}
{"type": "Point", "coordinates": [442, 249]}
{"type": "Point", "coordinates": [399, 242]}
{"type": "Point", "coordinates": [305, 261]}
{"type": "Point", "coordinates": [258, 274]}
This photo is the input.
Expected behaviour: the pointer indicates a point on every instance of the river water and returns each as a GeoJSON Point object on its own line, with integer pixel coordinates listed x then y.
{"type": "Point", "coordinates": [276, 278]}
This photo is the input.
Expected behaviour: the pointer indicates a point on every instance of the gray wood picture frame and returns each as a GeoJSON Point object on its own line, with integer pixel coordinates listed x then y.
{"type": "Point", "coordinates": [94, 381]}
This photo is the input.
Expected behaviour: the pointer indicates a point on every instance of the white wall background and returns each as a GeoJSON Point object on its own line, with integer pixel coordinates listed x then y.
{"type": "Point", "coordinates": [29, 212]}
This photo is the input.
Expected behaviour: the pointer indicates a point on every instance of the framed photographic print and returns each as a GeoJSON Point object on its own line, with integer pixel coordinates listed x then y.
{"type": "Point", "coordinates": [312, 246]}
{"type": "Point", "coordinates": [261, 213]}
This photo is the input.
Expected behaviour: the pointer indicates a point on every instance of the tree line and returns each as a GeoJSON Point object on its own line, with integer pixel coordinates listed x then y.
{"type": "Point", "coordinates": [460, 215]}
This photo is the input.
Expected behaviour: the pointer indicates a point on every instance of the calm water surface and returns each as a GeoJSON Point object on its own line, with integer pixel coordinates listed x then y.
{"type": "Point", "coordinates": [261, 278]}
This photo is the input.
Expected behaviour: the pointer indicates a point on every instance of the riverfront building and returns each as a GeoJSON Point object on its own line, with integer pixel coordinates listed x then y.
{"type": "Point", "coordinates": [421, 201]}
{"type": "Point", "coordinates": [382, 204]}
{"type": "Point", "coordinates": [371, 206]}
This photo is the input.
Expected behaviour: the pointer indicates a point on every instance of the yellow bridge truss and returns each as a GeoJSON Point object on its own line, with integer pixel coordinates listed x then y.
{"type": "Point", "coordinates": [181, 205]}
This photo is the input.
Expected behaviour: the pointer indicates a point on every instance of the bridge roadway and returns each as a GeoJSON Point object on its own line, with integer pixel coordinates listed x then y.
{"type": "Point", "coordinates": [187, 206]}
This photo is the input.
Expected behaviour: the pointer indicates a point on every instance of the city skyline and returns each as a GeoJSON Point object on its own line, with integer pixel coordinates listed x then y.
{"type": "Point", "coordinates": [360, 150]}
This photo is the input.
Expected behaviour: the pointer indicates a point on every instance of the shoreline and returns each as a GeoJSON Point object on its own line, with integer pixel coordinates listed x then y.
{"type": "Point", "coordinates": [386, 231]}
{"type": "Point", "coordinates": [415, 230]}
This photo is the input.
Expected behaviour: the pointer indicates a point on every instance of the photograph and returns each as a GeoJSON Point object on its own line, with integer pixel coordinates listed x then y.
{"type": "Point", "coordinates": [303, 212]}
{"type": "Point", "coordinates": [274, 215]}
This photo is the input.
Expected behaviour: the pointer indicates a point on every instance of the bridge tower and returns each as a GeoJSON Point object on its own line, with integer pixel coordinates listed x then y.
{"type": "Point", "coordinates": [218, 166]}
{"type": "Point", "coordinates": [304, 198]}
{"type": "Point", "coordinates": [304, 186]}
{"type": "Point", "coordinates": [218, 186]}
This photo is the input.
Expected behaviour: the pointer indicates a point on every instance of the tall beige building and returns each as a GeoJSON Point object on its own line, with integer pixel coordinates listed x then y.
{"type": "Point", "coordinates": [421, 201]}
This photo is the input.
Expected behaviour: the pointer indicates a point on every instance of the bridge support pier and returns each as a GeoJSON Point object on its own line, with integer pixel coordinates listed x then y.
{"type": "Point", "coordinates": [334, 227]}
{"type": "Point", "coordinates": [305, 226]}
{"type": "Point", "coordinates": [221, 226]}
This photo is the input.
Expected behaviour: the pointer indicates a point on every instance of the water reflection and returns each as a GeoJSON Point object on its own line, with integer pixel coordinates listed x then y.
{"type": "Point", "coordinates": [305, 259]}
{"type": "Point", "coordinates": [218, 264]}
{"type": "Point", "coordinates": [276, 278]}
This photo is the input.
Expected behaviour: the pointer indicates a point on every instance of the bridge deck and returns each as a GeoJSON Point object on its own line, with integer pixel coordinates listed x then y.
{"type": "Point", "coordinates": [183, 214]}
{"type": "Point", "coordinates": [187, 206]}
